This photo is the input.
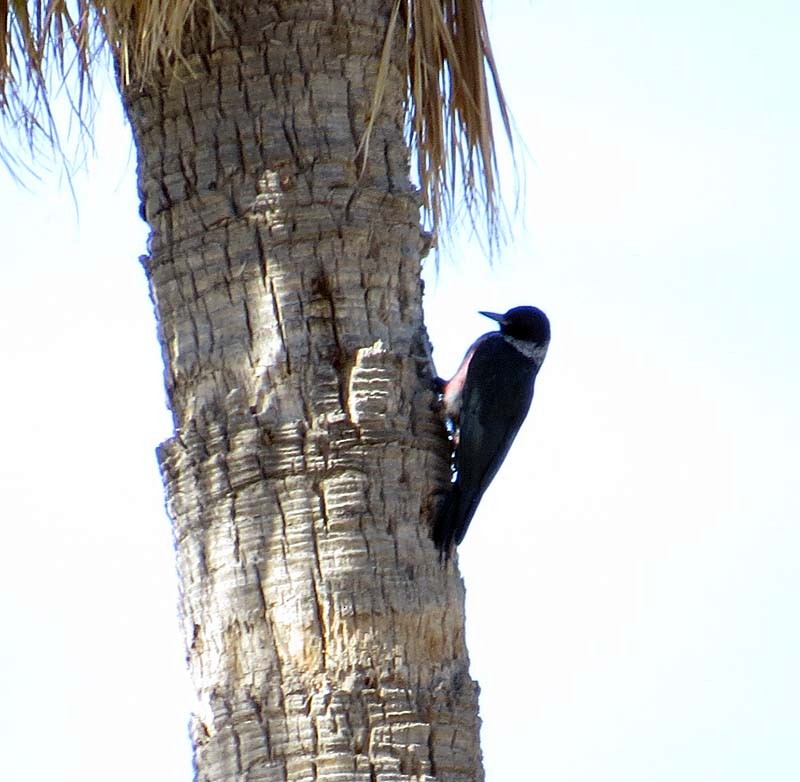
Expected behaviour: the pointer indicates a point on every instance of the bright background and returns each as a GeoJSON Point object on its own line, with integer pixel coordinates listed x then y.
{"type": "Point", "coordinates": [633, 574]}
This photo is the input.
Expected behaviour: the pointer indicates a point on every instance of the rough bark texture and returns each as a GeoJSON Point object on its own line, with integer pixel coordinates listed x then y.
{"type": "Point", "coordinates": [324, 637]}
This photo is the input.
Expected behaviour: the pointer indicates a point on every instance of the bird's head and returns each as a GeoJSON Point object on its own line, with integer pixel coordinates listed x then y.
{"type": "Point", "coordinates": [527, 329]}
{"type": "Point", "coordinates": [527, 324]}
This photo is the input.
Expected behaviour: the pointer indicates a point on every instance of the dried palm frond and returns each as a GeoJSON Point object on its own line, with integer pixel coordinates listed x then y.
{"type": "Point", "coordinates": [131, 27]}
{"type": "Point", "coordinates": [56, 42]}
{"type": "Point", "coordinates": [31, 35]}
{"type": "Point", "coordinates": [450, 118]}
{"type": "Point", "coordinates": [447, 50]}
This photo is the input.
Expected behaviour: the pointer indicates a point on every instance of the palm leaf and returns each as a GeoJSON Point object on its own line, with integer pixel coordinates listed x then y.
{"type": "Point", "coordinates": [450, 119]}
{"type": "Point", "coordinates": [447, 53]}
{"type": "Point", "coordinates": [51, 46]}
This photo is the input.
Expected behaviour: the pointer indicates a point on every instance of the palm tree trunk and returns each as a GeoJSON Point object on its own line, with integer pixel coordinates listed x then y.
{"type": "Point", "coordinates": [324, 637]}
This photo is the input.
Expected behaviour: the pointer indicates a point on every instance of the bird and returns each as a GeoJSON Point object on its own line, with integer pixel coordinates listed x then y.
{"type": "Point", "coordinates": [486, 402]}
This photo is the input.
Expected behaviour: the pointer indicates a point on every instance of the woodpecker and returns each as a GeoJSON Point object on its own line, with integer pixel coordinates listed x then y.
{"type": "Point", "coordinates": [486, 401]}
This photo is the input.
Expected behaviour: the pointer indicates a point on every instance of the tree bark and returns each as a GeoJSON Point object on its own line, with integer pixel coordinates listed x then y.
{"type": "Point", "coordinates": [324, 637]}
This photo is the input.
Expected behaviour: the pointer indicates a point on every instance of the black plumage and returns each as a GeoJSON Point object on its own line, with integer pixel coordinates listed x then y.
{"type": "Point", "coordinates": [487, 401]}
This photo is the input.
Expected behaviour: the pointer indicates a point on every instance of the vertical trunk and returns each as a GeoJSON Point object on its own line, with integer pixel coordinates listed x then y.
{"type": "Point", "coordinates": [324, 638]}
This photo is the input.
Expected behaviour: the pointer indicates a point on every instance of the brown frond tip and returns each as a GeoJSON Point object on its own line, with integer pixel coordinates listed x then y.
{"type": "Point", "coordinates": [147, 37]}
{"type": "Point", "coordinates": [50, 46]}
{"type": "Point", "coordinates": [449, 109]}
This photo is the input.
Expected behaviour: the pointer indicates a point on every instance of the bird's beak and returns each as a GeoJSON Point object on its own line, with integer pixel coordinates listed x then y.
{"type": "Point", "coordinates": [496, 316]}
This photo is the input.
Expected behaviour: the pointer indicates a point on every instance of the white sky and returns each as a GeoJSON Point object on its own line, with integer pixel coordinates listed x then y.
{"type": "Point", "coordinates": [633, 574]}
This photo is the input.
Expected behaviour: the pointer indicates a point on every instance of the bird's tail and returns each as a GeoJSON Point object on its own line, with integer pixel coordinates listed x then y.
{"type": "Point", "coordinates": [452, 520]}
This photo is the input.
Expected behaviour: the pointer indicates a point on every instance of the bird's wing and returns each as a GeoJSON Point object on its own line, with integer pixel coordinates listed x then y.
{"type": "Point", "coordinates": [453, 388]}
{"type": "Point", "coordinates": [496, 399]}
